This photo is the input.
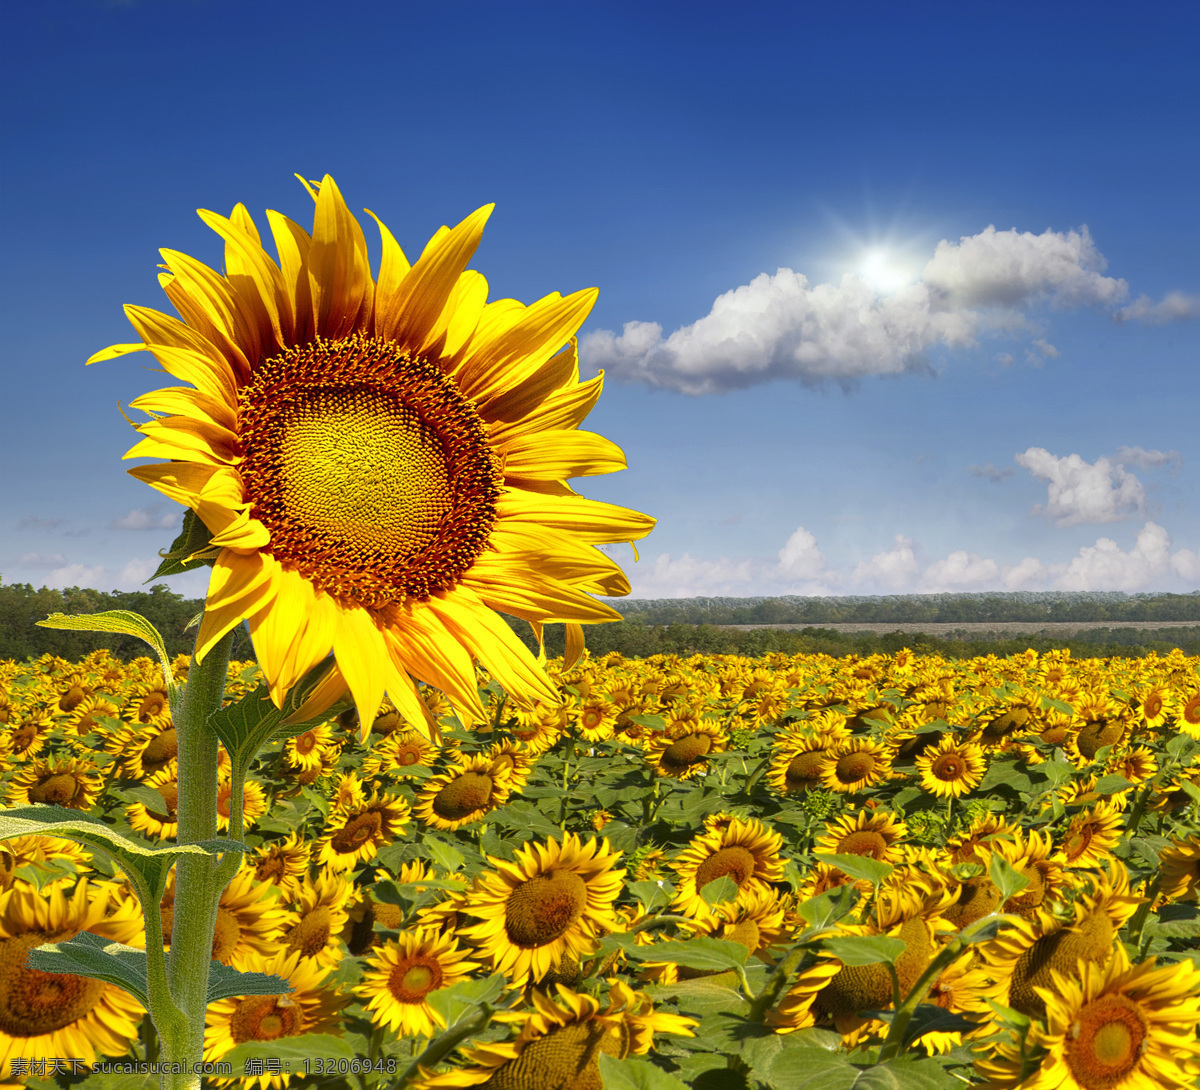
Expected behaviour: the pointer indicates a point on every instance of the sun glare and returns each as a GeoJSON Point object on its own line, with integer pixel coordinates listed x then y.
{"type": "Point", "coordinates": [881, 269]}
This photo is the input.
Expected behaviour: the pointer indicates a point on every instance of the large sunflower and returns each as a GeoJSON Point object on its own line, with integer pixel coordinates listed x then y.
{"type": "Point", "coordinates": [380, 460]}
{"type": "Point", "coordinates": [550, 901]}
{"type": "Point", "coordinates": [745, 851]}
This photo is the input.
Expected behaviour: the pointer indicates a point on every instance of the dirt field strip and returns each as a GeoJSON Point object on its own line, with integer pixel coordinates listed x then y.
{"type": "Point", "coordinates": [1008, 628]}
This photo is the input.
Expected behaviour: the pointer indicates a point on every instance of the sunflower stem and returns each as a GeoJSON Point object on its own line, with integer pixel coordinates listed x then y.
{"type": "Point", "coordinates": [198, 878]}
{"type": "Point", "coordinates": [438, 1049]}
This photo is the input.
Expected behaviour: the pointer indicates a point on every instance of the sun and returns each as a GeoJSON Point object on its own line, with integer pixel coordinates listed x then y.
{"type": "Point", "coordinates": [884, 270]}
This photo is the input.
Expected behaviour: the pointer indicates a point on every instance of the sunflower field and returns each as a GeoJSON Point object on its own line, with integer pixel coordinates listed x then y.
{"type": "Point", "coordinates": [798, 871]}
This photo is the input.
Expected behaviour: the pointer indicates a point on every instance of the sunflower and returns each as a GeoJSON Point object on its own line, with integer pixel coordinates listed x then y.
{"type": "Point", "coordinates": [380, 461]}
{"type": "Point", "coordinates": [144, 750]}
{"type": "Point", "coordinates": [1185, 710]}
{"type": "Point", "coordinates": [356, 835]}
{"type": "Point", "coordinates": [402, 753]}
{"type": "Point", "coordinates": [952, 768]}
{"type": "Point", "coordinates": [399, 976]}
{"type": "Point", "coordinates": [1091, 835]}
{"type": "Point", "coordinates": [304, 751]}
{"type": "Point", "coordinates": [160, 822]}
{"type": "Point", "coordinates": [745, 851]}
{"type": "Point", "coordinates": [86, 715]}
{"type": "Point", "coordinates": [283, 863]}
{"type": "Point", "coordinates": [1179, 870]}
{"type": "Point", "coordinates": [866, 832]}
{"type": "Point", "coordinates": [560, 1041]}
{"type": "Point", "coordinates": [23, 851]}
{"type": "Point", "coordinates": [249, 919]}
{"type": "Point", "coordinates": [464, 794]}
{"type": "Point", "coordinates": [57, 1014]}
{"type": "Point", "coordinates": [595, 720]}
{"type": "Point", "coordinates": [73, 782]}
{"type": "Point", "coordinates": [27, 735]}
{"type": "Point", "coordinates": [348, 792]}
{"type": "Point", "coordinates": [154, 705]}
{"type": "Point", "coordinates": [307, 1008]}
{"type": "Point", "coordinates": [796, 760]}
{"type": "Point", "coordinates": [686, 755]}
{"type": "Point", "coordinates": [512, 759]}
{"type": "Point", "coordinates": [551, 900]}
{"type": "Point", "coordinates": [855, 764]}
{"type": "Point", "coordinates": [1115, 1026]}
{"type": "Point", "coordinates": [254, 803]}
{"type": "Point", "coordinates": [319, 917]}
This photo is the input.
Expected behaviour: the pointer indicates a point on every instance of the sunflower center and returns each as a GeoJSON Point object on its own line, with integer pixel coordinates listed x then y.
{"type": "Point", "coordinates": [161, 751]}
{"type": "Point", "coordinates": [270, 869]}
{"type": "Point", "coordinates": [1105, 1042]}
{"type": "Point", "coordinates": [466, 794]}
{"type": "Point", "coordinates": [1153, 705]}
{"type": "Point", "coordinates": [354, 834]}
{"type": "Point", "coordinates": [853, 767]}
{"type": "Point", "coordinates": [804, 770]}
{"type": "Point", "coordinates": [408, 755]}
{"type": "Point", "coordinates": [32, 1002]}
{"type": "Point", "coordinates": [58, 789]}
{"type": "Point", "coordinates": [544, 907]}
{"type": "Point", "coordinates": [306, 742]}
{"type": "Point", "coordinates": [745, 932]}
{"type": "Point", "coordinates": [369, 467]}
{"type": "Point", "coordinates": [1098, 734]}
{"type": "Point", "coordinates": [564, 1059]}
{"type": "Point", "coordinates": [735, 861]}
{"type": "Point", "coordinates": [72, 697]}
{"type": "Point", "coordinates": [688, 749]}
{"type": "Point", "coordinates": [864, 842]}
{"type": "Point", "coordinates": [414, 978]}
{"type": "Point", "coordinates": [949, 767]}
{"type": "Point", "coordinates": [311, 935]}
{"type": "Point", "coordinates": [265, 1018]}
{"type": "Point", "coordinates": [151, 705]}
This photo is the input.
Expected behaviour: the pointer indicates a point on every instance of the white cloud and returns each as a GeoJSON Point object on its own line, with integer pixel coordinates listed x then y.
{"type": "Point", "coordinates": [156, 516]}
{"type": "Point", "coordinates": [800, 558]}
{"type": "Point", "coordinates": [33, 523]}
{"type": "Point", "coordinates": [41, 560]}
{"type": "Point", "coordinates": [79, 575]}
{"type": "Point", "coordinates": [1148, 459]}
{"type": "Point", "coordinates": [905, 569]}
{"type": "Point", "coordinates": [894, 569]}
{"type": "Point", "coordinates": [1104, 566]}
{"type": "Point", "coordinates": [991, 472]}
{"type": "Point", "coordinates": [1175, 306]}
{"type": "Point", "coordinates": [783, 327]}
{"type": "Point", "coordinates": [1080, 492]}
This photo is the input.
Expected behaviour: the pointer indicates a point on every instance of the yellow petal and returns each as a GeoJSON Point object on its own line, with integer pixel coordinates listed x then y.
{"type": "Point", "coordinates": [207, 301]}
{"type": "Point", "coordinates": [292, 244]}
{"type": "Point", "coordinates": [240, 586]}
{"type": "Point", "coordinates": [560, 411]}
{"type": "Point", "coordinates": [185, 353]}
{"type": "Point", "coordinates": [421, 647]}
{"type": "Point", "coordinates": [555, 455]}
{"type": "Point", "coordinates": [339, 271]}
{"type": "Point", "coordinates": [276, 629]}
{"type": "Point", "coordinates": [393, 267]}
{"type": "Point", "coordinates": [526, 397]}
{"type": "Point", "coordinates": [574, 646]}
{"type": "Point", "coordinates": [413, 317]}
{"type": "Point", "coordinates": [547, 601]}
{"type": "Point", "coordinates": [188, 403]}
{"type": "Point", "coordinates": [363, 659]}
{"type": "Point", "coordinates": [591, 520]}
{"type": "Point", "coordinates": [255, 278]}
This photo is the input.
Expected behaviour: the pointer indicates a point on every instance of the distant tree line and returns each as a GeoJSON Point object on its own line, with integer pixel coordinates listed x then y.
{"type": "Point", "coordinates": [1022, 606]}
{"type": "Point", "coordinates": [650, 629]}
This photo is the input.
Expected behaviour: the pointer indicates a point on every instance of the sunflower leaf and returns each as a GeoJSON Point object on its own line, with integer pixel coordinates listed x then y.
{"type": "Point", "coordinates": [126, 623]}
{"type": "Point", "coordinates": [306, 1052]}
{"type": "Point", "coordinates": [635, 1074]}
{"type": "Point", "coordinates": [827, 908]}
{"type": "Point", "coordinates": [719, 890]}
{"type": "Point", "coordinates": [865, 949]}
{"type": "Point", "coordinates": [652, 895]}
{"type": "Point", "coordinates": [1112, 784]}
{"type": "Point", "coordinates": [861, 867]}
{"type": "Point", "coordinates": [193, 538]}
{"type": "Point", "coordinates": [148, 865]}
{"type": "Point", "coordinates": [247, 725]}
{"type": "Point", "coordinates": [459, 1000]}
{"type": "Point", "coordinates": [1009, 881]}
{"type": "Point", "coordinates": [92, 956]}
{"type": "Point", "coordinates": [225, 982]}
{"type": "Point", "coordinates": [704, 954]}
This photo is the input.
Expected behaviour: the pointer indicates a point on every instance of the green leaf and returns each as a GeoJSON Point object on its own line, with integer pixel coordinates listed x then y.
{"type": "Point", "coordinates": [812, 1069]}
{"type": "Point", "coordinates": [1112, 784]}
{"type": "Point", "coordinates": [193, 538]}
{"type": "Point", "coordinates": [444, 855]}
{"type": "Point", "coordinates": [1002, 772]}
{"type": "Point", "coordinates": [144, 864]}
{"type": "Point", "coordinates": [652, 722]}
{"type": "Point", "coordinates": [860, 867]}
{"type": "Point", "coordinates": [1055, 772]}
{"type": "Point", "coordinates": [930, 1019]}
{"type": "Point", "coordinates": [292, 1051]}
{"type": "Point", "coordinates": [91, 956]}
{"type": "Point", "coordinates": [828, 908]}
{"type": "Point", "coordinates": [524, 817]}
{"type": "Point", "coordinates": [652, 895]}
{"type": "Point", "coordinates": [126, 623]}
{"type": "Point", "coordinates": [1006, 878]}
{"type": "Point", "coordinates": [1049, 703]}
{"type": "Point", "coordinates": [704, 954]}
{"type": "Point", "coordinates": [462, 999]}
{"type": "Point", "coordinates": [635, 1074]}
{"type": "Point", "coordinates": [719, 890]}
{"type": "Point", "coordinates": [225, 981]}
{"type": "Point", "coordinates": [865, 949]}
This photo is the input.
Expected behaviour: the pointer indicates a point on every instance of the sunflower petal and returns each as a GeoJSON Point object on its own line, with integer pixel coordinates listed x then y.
{"type": "Point", "coordinates": [339, 272]}
{"type": "Point", "coordinates": [555, 455]}
{"type": "Point", "coordinates": [255, 278]}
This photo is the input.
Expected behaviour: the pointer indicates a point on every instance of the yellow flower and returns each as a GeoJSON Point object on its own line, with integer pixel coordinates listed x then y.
{"type": "Point", "coordinates": [1113, 1026]}
{"type": "Point", "coordinates": [399, 976]}
{"type": "Point", "coordinates": [380, 460]}
{"type": "Point", "coordinates": [952, 769]}
{"type": "Point", "coordinates": [56, 1014]}
{"type": "Point", "coordinates": [1091, 835]}
{"type": "Point", "coordinates": [356, 835]}
{"type": "Point", "coordinates": [1179, 870]}
{"type": "Point", "coordinates": [855, 764]}
{"type": "Point", "coordinates": [319, 918]}
{"type": "Point", "coordinates": [745, 851]}
{"type": "Point", "coordinates": [550, 901]}
{"type": "Point", "coordinates": [59, 781]}
{"type": "Point", "coordinates": [282, 863]}
{"type": "Point", "coordinates": [876, 833]}
{"type": "Point", "coordinates": [466, 793]}
{"type": "Point", "coordinates": [307, 1008]}
{"type": "Point", "coordinates": [153, 819]}
{"type": "Point", "coordinates": [685, 755]}
{"type": "Point", "coordinates": [249, 919]}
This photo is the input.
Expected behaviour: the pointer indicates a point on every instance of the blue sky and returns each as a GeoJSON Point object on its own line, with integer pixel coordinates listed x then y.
{"type": "Point", "coordinates": [894, 300]}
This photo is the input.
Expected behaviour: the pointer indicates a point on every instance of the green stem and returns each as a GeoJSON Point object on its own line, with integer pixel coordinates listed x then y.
{"type": "Point", "coordinates": [775, 984]}
{"type": "Point", "coordinates": [438, 1050]}
{"type": "Point", "coordinates": [198, 878]}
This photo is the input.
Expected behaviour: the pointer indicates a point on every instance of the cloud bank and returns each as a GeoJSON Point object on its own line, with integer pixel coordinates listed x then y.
{"type": "Point", "coordinates": [782, 326]}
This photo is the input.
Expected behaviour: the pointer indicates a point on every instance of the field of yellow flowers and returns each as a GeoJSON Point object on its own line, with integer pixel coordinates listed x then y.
{"type": "Point", "coordinates": [897, 871]}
